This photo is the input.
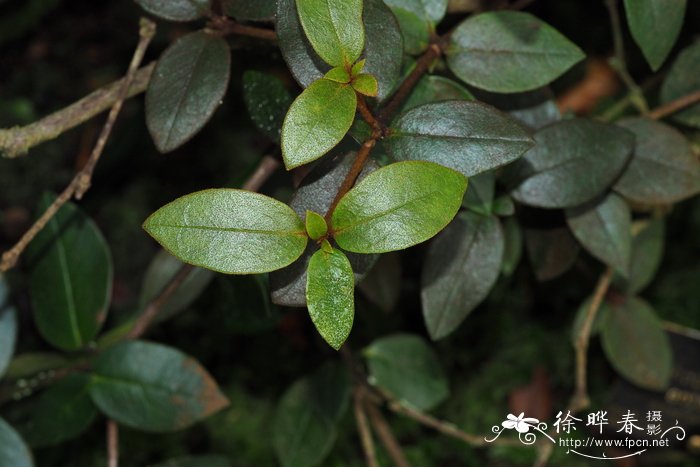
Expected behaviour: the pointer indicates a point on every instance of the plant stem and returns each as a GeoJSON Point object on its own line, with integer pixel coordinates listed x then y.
{"type": "Point", "coordinates": [386, 436]}
{"type": "Point", "coordinates": [112, 443]}
{"type": "Point", "coordinates": [224, 25]}
{"type": "Point", "coordinates": [357, 166]}
{"type": "Point", "coordinates": [363, 428]}
{"type": "Point", "coordinates": [674, 106]}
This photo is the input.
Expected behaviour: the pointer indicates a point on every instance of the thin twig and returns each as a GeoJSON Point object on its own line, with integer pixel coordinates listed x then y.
{"type": "Point", "coordinates": [112, 443]}
{"type": "Point", "coordinates": [357, 166]}
{"type": "Point", "coordinates": [81, 181]}
{"type": "Point", "coordinates": [363, 428]}
{"type": "Point", "coordinates": [265, 169]}
{"type": "Point", "coordinates": [674, 106]}
{"type": "Point", "coordinates": [225, 25]}
{"type": "Point", "coordinates": [366, 113]}
{"type": "Point", "coordinates": [386, 436]}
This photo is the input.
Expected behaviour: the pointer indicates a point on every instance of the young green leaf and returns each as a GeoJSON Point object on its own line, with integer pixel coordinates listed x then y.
{"type": "Point", "coordinates": [338, 74]}
{"type": "Point", "coordinates": [646, 256]}
{"type": "Point", "coordinates": [358, 67]}
{"type": "Point", "coordinates": [682, 79]}
{"type": "Point", "coordinates": [365, 84]}
{"type": "Point", "coordinates": [509, 51]}
{"type": "Point", "coordinates": [330, 294]}
{"type": "Point", "coordinates": [435, 88]}
{"type": "Point", "coordinates": [406, 367]}
{"type": "Point", "coordinates": [573, 161]}
{"type": "Point", "coordinates": [551, 252]}
{"type": "Point", "coordinates": [604, 228]}
{"type": "Point", "coordinates": [229, 231]}
{"type": "Point", "coordinates": [461, 268]}
{"type": "Point", "coordinates": [13, 451]}
{"type": "Point", "coordinates": [250, 10]}
{"type": "Point", "coordinates": [176, 10]}
{"type": "Point", "coordinates": [8, 327]}
{"type": "Point", "coordinates": [267, 101]}
{"type": "Point", "coordinates": [397, 206]}
{"type": "Point", "coordinates": [663, 168]}
{"type": "Point", "coordinates": [197, 461]}
{"type": "Point", "coordinates": [469, 137]}
{"type": "Point", "coordinates": [316, 225]}
{"type": "Point", "coordinates": [70, 277]}
{"type": "Point", "coordinates": [636, 345]}
{"type": "Point", "coordinates": [152, 387]}
{"type": "Point", "coordinates": [188, 84]}
{"type": "Point", "coordinates": [334, 28]}
{"type": "Point", "coordinates": [317, 121]}
{"type": "Point", "coordinates": [655, 25]}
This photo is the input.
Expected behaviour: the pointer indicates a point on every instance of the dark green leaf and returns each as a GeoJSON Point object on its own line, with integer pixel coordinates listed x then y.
{"type": "Point", "coordinates": [267, 101]}
{"type": "Point", "coordinates": [152, 387]}
{"type": "Point", "coordinates": [199, 461]}
{"type": "Point", "coordinates": [534, 109]}
{"type": "Point", "coordinates": [647, 252]}
{"type": "Point", "coordinates": [382, 286]}
{"type": "Point", "coordinates": [29, 364]}
{"type": "Point", "coordinates": [460, 270]}
{"type": "Point", "coordinates": [573, 161]}
{"type": "Point", "coordinates": [509, 51]}
{"type": "Point", "coordinates": [414, 30]}
{"type": "Point", "coordinates": [62, 412]}
{"type": "Point", "coordinates": [407, 368]}
{"type": "Point", "coordinates": [334, 28]}
{"type": "Point", "coordinates": [503, 206]}
{"type": "Point", "coordinates": [176, 10]}
{"type": "Point", "coordinates": [604, 228]}
{"type": "Point", "coordinates": [188, 84]}
{"type": "Point", "coordinates": [316, 225]}
{"type": "Point", "coordinates": [663, 168]}
{"type": "Point", "coordinates": [397, 206]}
{"type": "Point", "coordinates": [434, 88]}
{"type": "Point", "coordinates": [636, 345]}
{"type": "Point", "coordinates": [230, 231]}
{"type": "Point", "coordinates": [250, 10]}
{"type": "Point", "coordinates": [683, 79]}
{"type": "Point", "coordinates": [655, 25]}
{"type": "Point", "coordinates": [430, 10]}
{"type": "Point", "coordinates": [13, 451]}
{"type": "Point", "coordinates": [551, 251]}
{"type": "Point", "coordinates": [480, 193]}
{"type": "Point", "coordinates": [512, 245]}
{"type": "Point", "coordinates": [71, 278]}
{"type": "Point", "coordinates": [581, 314]}
{"type": "Point", "coordinates": [331, 387]}
{"type": "Point", "coordinates": [317, 120]}
{"type": "Point", "coordinates": [8, 327]}
{"type": "Point", "coordinates": [469, 137]}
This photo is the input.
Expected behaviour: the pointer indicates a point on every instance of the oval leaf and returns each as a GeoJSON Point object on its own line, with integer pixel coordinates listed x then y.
{"type": "Point", "coordinates": [509, 51]}
{"type": "Point", "coordinates": [152, 387]}
{"type": "Point", "coordinates": [188, 84]}
{"type": "Point", "coordinates": [682, 79]}
{"type": "Point", "coordinates": [267, 101]}
{"type": "Point", "coordinates": [469, 137]}
{"type": "Point", "coordinates": [647, 253]}
{"type": "Point", "coordinates": [176, 10]}
{"type": "Point", "coordinates": [573, 161]}
{"type": "Point", "coordinates": [636, 345]}
{"type": "Point", "coordinates": [70, 278]}
{"type": "Point", "coordinates": [551, 251]}
{"type": "Point", "coordinates": [435, 88]}
{"type": "Point", "coordinates": [397, 206]}
{"type": "Point", "coordinates": [316, 225]}
{"type": "Point", "coordinates": [460, 270]}
{"type": "Point", "coordinates": [317, 121]}
{"type": "Point", "coordinates": [655, 25]}
{"type": "Point", "coordinates": [13, 451]}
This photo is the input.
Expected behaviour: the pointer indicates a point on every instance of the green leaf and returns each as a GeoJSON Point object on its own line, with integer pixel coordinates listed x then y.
{"type": "Point", "coordinates": [366, 84]}
{"type": "Point", "coordinates": [663, 168]}
{"type": "Point", "coordinates": [430, 10]}
{"type": "Point", "coordinates": [655, 26]}
{"type": "Point", "coordinates": [604, 228]}
{"type": "Point", "coordinates": [503, 206]}
{"type": "Point", "coordinates": [509, 51]}
{"type": "Point", "coordinates": [551, 251]}
{"type": "Point", "coordinates": [460, 270]}
{"type": "Point", "coordinates": [417, 19]}
{"type": "Point", "coordinates": [13, 451]}
{"type": "Point", "coordinates": [647, 253]}
{"type": "Point", "coordinates": [152, 387]}
{"type": "Point", "coordinates": [250, 10]}
{"type": "Point", "coordinates": [682, 79]}
{"type": "Point", "coordinates": [573, 161]}
{"type": "Point", "coordinates": [8, 327]}
{"type": "Point", "coordinates": [26, 365]}
{"type": "Point", "coordinates": [70, 277]}
{"type": "Point", "coordinates": [534, 109]}
{"type": "Point", "coordinates": [480, 193]}
{"type": "Point", "coordinates": [397, 206]}
{"type": "Point", "coordinates": [338, 74]}
{"type": "Point", "coordinates": [382, 285]}
{"type": "Point", "coordinates": [267, 101]}
{"type": "Point", "coordinates": [176, 10]}
{"type": "Point", "coordinates": [188, 84]}
{"type": "Point", "coordinates": [229, 231]}
{"type": "Point", "coordinates": [469, 137]}
{"type": "Point", "coordinates": [317, 121]}
{"type": "Point", "coordinates": [316, 225]}
{"type": "Point", "coordinates": [330, 295]}
{"type": "Point", "coordinates": [62, 412]}
{"type": "Point", "coordinates": [407, 368]}
{"type": "Point", "coordinates": [196, 461]}
{"type": "Point", "coordinates": [512, 246]}
{"type": "Point", "coordinates": [636, 345]}
{"type": "Point", "coordinates": [435, 88]}
{"type": "Point", "coordinates": [334, 28]}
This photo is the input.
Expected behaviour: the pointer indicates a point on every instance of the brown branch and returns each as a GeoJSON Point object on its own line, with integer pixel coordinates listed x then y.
{"type": "Point", "coordinates": [353, 173]}
{"type": "Point", "coordinates": [268, 165]}
{"type": "Point", "coordinates": [224, 25]}
{"type": "Point", "coordinates": [674, 106]}
{"type": "Point", "coordinates": [363, 427]}
{"type": "Point", "coordinates": [377, 127]}
{"type": "Point", "coordinates": [386, 436]}
{"type": "Point", "coordinates": [112, 443]}
{"type": "Point", "coordinates": [81, 182]}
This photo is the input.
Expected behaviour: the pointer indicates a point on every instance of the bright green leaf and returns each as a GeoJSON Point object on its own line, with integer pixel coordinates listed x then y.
{"type": "Point", "coordinates": [435, 88]}
{"type": "Point", "coordinates": [70, 278]}
{"type": "Point", "coordinates": [229, 231]}
{"type": "Point", "coordinates": [366, 84]}
{"type": "Point", "coordinates": [397, 206]}
{"type": "Point", "coordinates": [250, 10]}
{"type": "Point", "coordinates": [682, 79]}
{"type": "Point", "coordinates": [338, 74]}
{"type": "Point", "coordinates": [176, 10]}
{"type": "Point", "coordinates": [198, 461]}
{"type": "Point", "coordinates": [316, 225]}
{"type": "Point", "coordinates": [188, 84]}
{"type": "Point", "coordinates": [358, 67]}
{"type": "Point", "coordinates": [317, 121]}
{"type": "Point", "coordinates": [267, 101]}
{"type": "Point", "coordinates": [8, 327]}
{"type": "Point", "coordinates": [152, 387]}
{"type": "Point", "coordinates": [13, 451]}
{"type": "Point", "coordinates": [551, 252]}
{"type": "Point", "coordinates": [655, 25]}
{"type": "Point", "coordinates": [509, 51]}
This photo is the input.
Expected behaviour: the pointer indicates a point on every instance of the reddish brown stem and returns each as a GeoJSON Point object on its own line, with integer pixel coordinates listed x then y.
{"type": "Point", "coordinates": [225, 26]}
{"type": "Point", "coordinates": [674, 106]}
{"type": "Point", "coordinates": [349, 181]}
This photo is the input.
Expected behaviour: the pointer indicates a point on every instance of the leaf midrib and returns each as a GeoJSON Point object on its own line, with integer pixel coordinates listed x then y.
{"type": "Point", "coordinates": [280, 233]}
{"type": "Point", "coordinates": [385, 213]}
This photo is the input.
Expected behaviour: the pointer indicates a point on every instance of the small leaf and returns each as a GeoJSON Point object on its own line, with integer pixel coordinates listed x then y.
{"type": "Point", "coordinates": [338, 74]}
{"type": "Point", "coordinates": [250, 10]}
{"type": "Point", "coordinates": [573, 161]}
{"type": "Point", "coordinates": [316, 225]}
{"type": "Point", "coordinates": [152, 387]}
{"type": "Point", "coordinates": [663, 168]}
{"type": "Point", "coordinates": [512, 246]}
{"type": "Point", "coordinates": [70, 278]}
{"type": "Point", "coordinates": [435, 88]}
{"type": "Point", "coordinates": [358, 67]}
{"type": "Point", "coordinates": [229, 231]}
{"type": "Point", "coordinates": [196, 461]}
{"type": "Point", "coordinates": [407, 368]}
{"type": "Point", "coordinates": [8, 327]}
{"type": "Point", "coordinates": [655, 26]}
{"type": "Point", "coordinates": [509, 51]}
{"type": "Point", "coordinates": [469, 137]}
{"type": "Point", "coordinates": [647, 253]}
{"type": "Point", "coordinates": [636, 345]}
{"type": "Point", "coordinates": [604, 228]}
{"type": "Point", "coordinates": [176, 10]}
{"type": "Point", "coordinates": [334, 28]}
{"type": "Point", "coordinates": [551, 252]}
{"type": "Point", "coordinates": [267, 101]}
{"type": "Point", "coordinates": [13, 451]}
{"type": "Point", "coordinates": [397, 206]}
{"type": "Point", "coordinates": [366, 84]}
{"type": "Point", "coordinates": [317, 121]}
{"type": "Point", "coordinates": [682, 79]}
{"type": "Point", "coordinates": [188, 84]}
{"type": "Point", "coordinates": [460, 270]}
{"type": "Point", "coordinates": [330, 295]}
{"type": "Point", "coordinates": [382, 285]}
